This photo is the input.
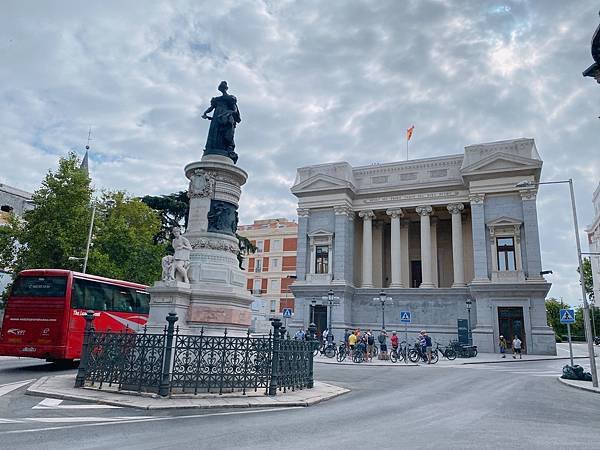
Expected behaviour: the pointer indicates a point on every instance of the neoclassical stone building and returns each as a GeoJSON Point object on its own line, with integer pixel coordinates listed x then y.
{"type": "Point", "coordinates": [432, 233]}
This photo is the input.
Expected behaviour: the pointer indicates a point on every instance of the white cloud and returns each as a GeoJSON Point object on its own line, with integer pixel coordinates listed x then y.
{"type": "Point", "coordinates": [316, 82]}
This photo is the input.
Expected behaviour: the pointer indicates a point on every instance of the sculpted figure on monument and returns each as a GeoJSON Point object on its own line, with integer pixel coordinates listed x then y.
{"type": "Point", "coordinates": [177, 266]}
{"type": "Point", "coordinates": [222, 126]}
{"type": "Point", "coordinates": [222, 218]}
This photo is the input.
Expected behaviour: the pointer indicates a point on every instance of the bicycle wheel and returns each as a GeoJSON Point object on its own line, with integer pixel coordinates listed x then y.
{"type": "Point", "coordinates": [394, 356]}
{"type": "Point", "coordinates": [358, 357]}
{"type": "Point", "coordinates": [330, 351]}
{"type": "Point", "coordinates": [450, 354]}
{"type": "Point", "coordinates": [413, 355]}
{"type": "Point", "coordinates": [434, 357]}
{"type": "Point", "coordinates": [375, 351]}
{"type": "Point", "coordinates": [341, 356]}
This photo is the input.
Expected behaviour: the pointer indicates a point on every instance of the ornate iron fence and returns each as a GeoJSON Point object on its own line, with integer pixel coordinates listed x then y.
{"type": "Point", "coordinates": [169, 362]}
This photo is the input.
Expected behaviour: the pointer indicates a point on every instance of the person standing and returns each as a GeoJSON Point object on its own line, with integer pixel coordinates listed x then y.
{"type": "Point", "coordinates": [503, 345]}
{"type": "Point", "coordinates": [394, 342]}
{"type": "Point", "coordinates": [347, 334]}
{"type": "Point", "coordinates": [516, 345]}
{"type": "Point", "coordinates": [352, 341]}
{"type": "Point", "coordinates": [382, 338]}
{"type": "Point", "coordinates": [428, 346]}
{"type": "Point", "coordinates": [370, 344]}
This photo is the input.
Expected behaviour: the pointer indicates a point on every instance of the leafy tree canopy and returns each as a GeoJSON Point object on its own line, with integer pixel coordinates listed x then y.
{"type": "Point", "coordinates": [57, 228]}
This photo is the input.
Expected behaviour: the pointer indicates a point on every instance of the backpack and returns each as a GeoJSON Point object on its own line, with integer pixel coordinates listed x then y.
{"type": "Point", "coordinates": [427, 341]}
{"type": "Point", "coordinates": [370, 340]}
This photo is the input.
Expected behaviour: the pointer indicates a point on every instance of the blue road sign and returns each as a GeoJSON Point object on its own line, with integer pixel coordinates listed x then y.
{"type": "Point", "coordinates": [567, 316]}
{"type": "Point", "coordinates": [405, 317]}
{"type": "Point", "coordinates": [287, 312]}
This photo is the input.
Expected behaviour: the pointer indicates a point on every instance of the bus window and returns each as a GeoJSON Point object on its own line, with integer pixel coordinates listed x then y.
{"type": "Point", "coordinates": [143, 302]}
{"type": "Point", "coordinates": [123, 300]}
{"type": "Point", "coordinates": [39, 287]}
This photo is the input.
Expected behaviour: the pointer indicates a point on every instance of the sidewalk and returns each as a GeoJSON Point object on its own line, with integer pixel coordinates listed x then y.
{"type": "Point", "coordinates": [583, 385]}
{"type": "Point", "coordinates": [481, 358]}
{"type": "Point", "coordinates": [61, 387]}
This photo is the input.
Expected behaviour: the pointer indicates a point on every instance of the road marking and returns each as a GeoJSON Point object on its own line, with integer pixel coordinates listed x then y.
{"type": "Point", "coordinates": [9, 421]}
{"type": "Point", "coordinates": [9, 387]}
{"type": "Point", "coordinates": [54, 403]}
{"type": "Point", "coordinates": [151, 419]}
{"type": "Point", "coordinates": [82, 419]}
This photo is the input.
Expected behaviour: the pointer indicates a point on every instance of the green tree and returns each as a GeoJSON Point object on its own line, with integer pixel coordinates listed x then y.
{"type": "Point", "coordinates": [588, 280]}
{"type": "Point", "coordinates": [56, 227]}
{"type": "Point", "coordinates": [553, 307]}
{"type": "Point", "coordinates": [124, 245]}
{"type": "Point", "coordinates": [173, 209]}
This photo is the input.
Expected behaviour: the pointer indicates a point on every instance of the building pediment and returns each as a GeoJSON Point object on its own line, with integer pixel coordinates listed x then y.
{"type": "Point", "coordinates": [501, 162]}
{"type": "Point", "coordinates": [320, 233]}
{"type": "Point", "coordinates": [503, 221]}
{"type": "Point", "coordinates": [321, 182]}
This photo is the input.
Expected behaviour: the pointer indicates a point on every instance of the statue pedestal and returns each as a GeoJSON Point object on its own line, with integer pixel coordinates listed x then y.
{"type": "Point", "coordinates": [216, 297]}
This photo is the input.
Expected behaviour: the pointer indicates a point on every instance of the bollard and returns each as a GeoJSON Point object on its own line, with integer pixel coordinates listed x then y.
{"type": "Point", "coordinates": [84, 358]}
{"type": "Point", "coordinates": [276, 323]}
{"type": "Point", "coordinates": [165, 382]}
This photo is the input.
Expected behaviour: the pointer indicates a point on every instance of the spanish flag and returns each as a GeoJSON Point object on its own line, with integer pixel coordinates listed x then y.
{"type": "Point", "coordinates": [409, 133]}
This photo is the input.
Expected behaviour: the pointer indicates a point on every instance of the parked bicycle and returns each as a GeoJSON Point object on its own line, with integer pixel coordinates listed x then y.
{"type": "Point", "coordinates": [417, 353]}
{"type": "Point", "coordinates": [447, 352]}
{"type": "Point", "coordinates": [400, 353]}
{"type": "Point", "coordinates": [342, 352]}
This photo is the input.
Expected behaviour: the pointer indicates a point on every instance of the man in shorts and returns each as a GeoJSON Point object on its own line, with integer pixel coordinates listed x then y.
{"type": "Point", "coordinates": [382, 338]}
{"type": "Point", "coordinates": [428, 346]}
{"type": "Point", "coordinates": [352, 342]}
{"type": "Point", "coordinates": [516, 345]}
{"type": "Point", "coordinates": [370, 344]}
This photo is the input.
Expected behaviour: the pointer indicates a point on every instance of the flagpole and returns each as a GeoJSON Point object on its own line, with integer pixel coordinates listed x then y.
{"type": "Point", "coordinates": [407, 148]}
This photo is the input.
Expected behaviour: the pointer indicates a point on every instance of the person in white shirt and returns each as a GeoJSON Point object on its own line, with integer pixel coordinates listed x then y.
{"type": "Point", "coordinates": [516, 345]}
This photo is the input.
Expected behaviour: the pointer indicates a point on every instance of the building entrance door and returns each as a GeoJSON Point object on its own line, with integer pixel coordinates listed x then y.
{"type": "Point", "coordinates": [511, 324]}
{"type": "Point", "coordinates": [415, 274]}
{"type": "Point", "coordinates": [320, 318]}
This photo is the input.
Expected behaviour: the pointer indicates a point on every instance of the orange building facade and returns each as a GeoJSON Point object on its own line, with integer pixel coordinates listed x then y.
{"type": "Point", "coordinates": [272, 268]}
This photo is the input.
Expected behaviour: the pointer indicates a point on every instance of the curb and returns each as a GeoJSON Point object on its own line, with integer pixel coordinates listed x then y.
{"type": "Point", "coordinates": [145, 403]}
{"type": "Point", "coordinates": [523, 360]}
{"type": "Point", "coordinates": [580, 387]}
{"type": "Point", "coordinates": [367, 364]}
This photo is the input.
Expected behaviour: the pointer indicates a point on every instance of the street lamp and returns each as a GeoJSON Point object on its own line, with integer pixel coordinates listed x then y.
{"type": "Point", "coordinates": [382, 299]}
{"type": "Point", "coordinates": [469, 335]}
{"type": "Point", "coordinates": [331, 301]}
{"type": "Point", "coordinates": [313, 302]}
{"type": "Point", "coordinates": [586, 306]}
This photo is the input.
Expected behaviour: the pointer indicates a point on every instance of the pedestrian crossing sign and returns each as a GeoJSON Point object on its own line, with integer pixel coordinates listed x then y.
{"type": "Point", "coordinates": [567, 316]}
{"type": "Point", "coordinates": [287, 313]}
{"type": "Point", "coordinates": [405, 317]}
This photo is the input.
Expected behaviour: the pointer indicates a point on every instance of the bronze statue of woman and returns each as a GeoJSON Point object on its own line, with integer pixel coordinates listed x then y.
{"type": "Point", "coordinates": [222, 126]}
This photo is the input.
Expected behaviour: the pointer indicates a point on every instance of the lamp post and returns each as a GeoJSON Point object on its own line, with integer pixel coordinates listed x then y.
{"type": "Point", "coordinates": [469, 335]}
{"type": "Point", "coordinates": [313, 302]}
{"type": "Point", "coordinates": [382, 299]}
{"type": "Point", "coordinates": [331, 302]}
{"type": "Point", "coordinates": [586, 306]}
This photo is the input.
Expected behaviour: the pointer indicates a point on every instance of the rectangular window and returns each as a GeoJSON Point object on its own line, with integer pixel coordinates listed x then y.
{"type": "Point", "coordinates": [258, 265]}
{"type": "Point", "coordinates": [89, 294]}
{"type": "Point", "coordinates": [260, 245]}
{"type": "Point", "coordinates": [273, 306]}
{"type": "Point", "coordinates": [506, 253]}
{"type": "Point", "coordinates": [275, 264]}
{"type": "Point", "coordinates": [39, 287]}
{"type": "Point", "coordinates": [274, 285]}
{"type": "Point", "coordinates": [276, 245]}
{"type": "Point", "coordinates": [256, 286]}
{"type": "Point", "coordinates": [322, 259]}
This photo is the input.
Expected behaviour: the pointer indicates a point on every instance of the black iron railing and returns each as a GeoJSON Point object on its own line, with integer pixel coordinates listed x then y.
{"type": "Point", "coordinates": [170, 362]}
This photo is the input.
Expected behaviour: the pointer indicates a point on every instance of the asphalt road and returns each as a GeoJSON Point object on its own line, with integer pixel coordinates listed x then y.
{"type": "Point", "coordinates": [508, 405]}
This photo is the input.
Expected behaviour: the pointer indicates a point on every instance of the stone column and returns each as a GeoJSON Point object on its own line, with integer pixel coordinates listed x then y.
{"type": "Point", "coordinates": [301, 254]}
{"type": "Point", "coordinates": [458, 262]}
{"type": "Point", "coordinates": [532, 237]}
{"type": "Point", "coordinates": [367, 248]}
{"type": "Point", "coordinates": [480, 262]}
{"type": "Point", "coordinates": [396, 247]}
{"type": "Point", "coordinates": [426, 273]}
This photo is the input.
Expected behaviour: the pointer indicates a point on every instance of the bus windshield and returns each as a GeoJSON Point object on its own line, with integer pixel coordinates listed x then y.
{"type": "Point", "coordinates": [47, 286]}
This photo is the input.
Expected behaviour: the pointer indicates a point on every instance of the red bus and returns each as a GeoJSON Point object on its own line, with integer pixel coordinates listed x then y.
{"type": "Point", "coordinates": [44, 315]}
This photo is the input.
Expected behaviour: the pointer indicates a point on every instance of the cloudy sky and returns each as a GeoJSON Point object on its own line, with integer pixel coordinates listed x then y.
{"type": "Point", "coordinates": [317, 81]}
